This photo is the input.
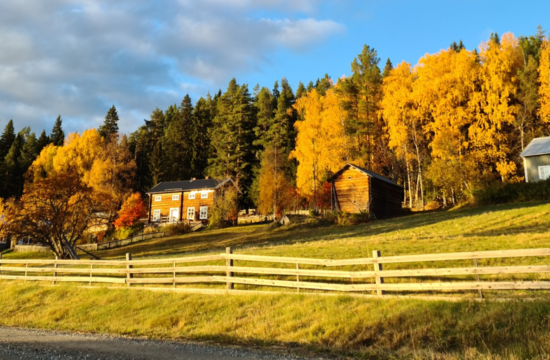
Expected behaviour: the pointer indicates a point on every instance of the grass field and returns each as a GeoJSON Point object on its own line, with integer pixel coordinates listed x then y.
{"type": "Point", "coordinates": [370, 328]}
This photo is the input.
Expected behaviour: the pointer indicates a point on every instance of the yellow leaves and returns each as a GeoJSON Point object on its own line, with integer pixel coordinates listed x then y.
{"type": "Point", "coordinates": [321, 142]}
{"type": "Point", "coordinates": [544, 81]}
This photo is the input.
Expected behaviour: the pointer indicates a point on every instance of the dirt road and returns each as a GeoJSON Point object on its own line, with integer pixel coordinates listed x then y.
{"type": "Point", "coordinates": [48, 345]}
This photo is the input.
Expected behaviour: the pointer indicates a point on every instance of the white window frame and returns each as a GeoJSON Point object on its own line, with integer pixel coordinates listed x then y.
{"type": "Point", "coordinates": [170, 218]}
{"type": "Point", "coordinates": [544, 172]}
{"type": "Point", "coordinates": [175, 197]}
{"type": "Point", "coordinates": [158, 197]}
{"type": "Point", "coordinates": [156, 214]}
{"type": "Point", "coordinates": [203, 213]}
{"type": "Point", "coordinates": [190, 210]}
{"type": "Point", "coordinates": [191, 196]}
{"type": "Point", "coordinates": [204, 194]}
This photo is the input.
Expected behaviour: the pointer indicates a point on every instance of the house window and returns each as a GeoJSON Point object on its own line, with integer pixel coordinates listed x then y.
{"type": "Point", "coordinates": [544, 172]}
{"type": "Point", "coordinates": [156, 215]}
{"type": "Point", "coordinates": [175, 197]}
{"type": "Point", "coordinates": [190, 213]}
{"type": "Point", "coordinates": [191, 196]}
{"type": "Point", "coordinates": [158, 198]}
{"type": "Point", "coordinates": [204, 212]}
{"type": "Point", "coordinates": [204, 195]}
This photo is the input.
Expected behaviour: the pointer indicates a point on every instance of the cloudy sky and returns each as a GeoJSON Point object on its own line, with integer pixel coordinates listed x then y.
{"type": "Point", "coordinates": [78, 57]}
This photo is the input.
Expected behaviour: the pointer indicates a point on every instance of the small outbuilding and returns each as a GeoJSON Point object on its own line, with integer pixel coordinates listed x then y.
{"type": "Point", "coordinates": [355, 189]}
{"type": "Point", "coordinates": [536, 159]}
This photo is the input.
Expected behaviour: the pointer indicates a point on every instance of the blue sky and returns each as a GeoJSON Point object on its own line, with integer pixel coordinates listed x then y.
{"type": "Point", "coordinates": [78, 57]}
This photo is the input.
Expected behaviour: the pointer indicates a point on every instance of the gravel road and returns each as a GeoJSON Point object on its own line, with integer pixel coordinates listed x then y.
{"type": "Point", "coordinates": [49, 345]}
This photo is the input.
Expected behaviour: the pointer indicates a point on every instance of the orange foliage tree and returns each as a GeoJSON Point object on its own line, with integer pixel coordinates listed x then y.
{"type": "Point", "coordinates": [131, 211]}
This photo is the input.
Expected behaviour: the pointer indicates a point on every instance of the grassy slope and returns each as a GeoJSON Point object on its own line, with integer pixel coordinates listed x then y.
{"type": "Point", "coordinates": [368, 327]}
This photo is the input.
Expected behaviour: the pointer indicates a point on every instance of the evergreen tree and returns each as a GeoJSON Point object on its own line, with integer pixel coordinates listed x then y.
{"type": "Point", "coordinates": [7, 139]}
{"type": "Point", "coordinates": [301, 90]}
{"type": "Point", "coordinates": [110, 126]}
{"type": "Point", "coordinates": [495, 38]}
{"type": "Point", "coordinates": [202, 121]}
{"type": "Point", "coordinates": [275, 92]}
{"type": "Point", "coordinates": [156, 165]}
{"type": "Point", "coordinates": [323, 84]}
{"type": "Point", "coordinates": [58, 136]}
{"type": "Point", "coordinates": [457, 47]}
{"type": "Point", "coordinates": [13, 172]}
{"type": "Point", "coordinates": [42, 141]}
{"type": "Point", "coordinates": [387, 68]}
{"type": "Point", "coordinates": [310, 86]}
{"type": "Point", "coordinates": [178, 150]}
{"type": "Point", "coordinates": [232, 136]}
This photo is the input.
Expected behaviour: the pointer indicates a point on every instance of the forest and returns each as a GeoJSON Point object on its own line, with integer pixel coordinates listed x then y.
{"type": "Point", "coordinates": [453, 123]}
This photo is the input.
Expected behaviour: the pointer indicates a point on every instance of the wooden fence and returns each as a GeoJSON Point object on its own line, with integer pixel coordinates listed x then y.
{"type": "Point", "coordinates": [297, 273]}
{"type": "Point", "coordinates": [118, 243]}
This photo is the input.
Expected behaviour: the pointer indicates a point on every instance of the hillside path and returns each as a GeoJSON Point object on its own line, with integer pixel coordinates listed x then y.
{"type": "Point", "coordinates": [25, 344]}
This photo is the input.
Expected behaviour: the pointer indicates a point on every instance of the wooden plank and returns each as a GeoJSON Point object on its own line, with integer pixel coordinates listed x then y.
{"type": "Point", "coordinates": [529, 269]}
{"type": "Point", "coordinates": [486, 285]}
{"type": "Point", "coordinates": [229, 273]}
{"type": "Point", "coordinates": [275, 259]}
{"type": "Point", "coordinates": [115, 262]}
{"type": "Point", "coordinates": [279, 283]}
{"type": "Point", "coordinates": [65, 270]}
{"type": "Point", "coordinates": [65, 278]}
{"type": "Point", "coordinates": [377, 269]}
{"type": "Point", "coordinates": [442, 257]}
{"type": "Point", "coordinates": [170, 280]}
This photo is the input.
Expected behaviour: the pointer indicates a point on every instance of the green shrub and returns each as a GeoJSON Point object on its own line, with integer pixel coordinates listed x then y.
{"type": "Point", "coordinates": [512, 192]}
{"type": "Point", "coordinates": [126, 232]}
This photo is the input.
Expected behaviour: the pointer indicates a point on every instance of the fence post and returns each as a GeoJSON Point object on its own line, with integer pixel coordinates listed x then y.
{"type": "Point", "coordinates": [91, 273]}
{"type": "Point", "coordinates": [26, 266]}
{"type": "Point", "coordinates": [174, 275]}
{"type": "Point", "coordinates": [0, 263]}
{"type": "Point", "coordinates": [128, 267]}
{"type": "Point", "coordinates": [55, 267]}
{"type": "Point", "coordinates": [378, 268]}
{"type": "Point", "coordinates": [298, 277]}
{"type": "Point", "coordinates": [229, 263]}
{"type": "Point", "coordinates": [480, 292]}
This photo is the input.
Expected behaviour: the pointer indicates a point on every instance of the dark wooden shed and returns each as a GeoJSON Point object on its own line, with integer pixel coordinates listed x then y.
{"type": "Point", "coordinates": [355, 189]}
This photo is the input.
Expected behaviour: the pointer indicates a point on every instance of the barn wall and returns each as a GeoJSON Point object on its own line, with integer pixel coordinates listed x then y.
{"type": "Point", "coordinates": [386, 199]}
{"type": "Point", "coordinates": [532, 164]}
{"type": "Point", "coordinates": [352, 190]}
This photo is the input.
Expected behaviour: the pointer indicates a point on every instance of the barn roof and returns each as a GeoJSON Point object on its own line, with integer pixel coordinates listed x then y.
{"type": "Point", "coordinates": [366, 172]}
{"type": "Point", "coordinates": [188, 185]}
{"type": "Point", "coordinates": [539, 146]}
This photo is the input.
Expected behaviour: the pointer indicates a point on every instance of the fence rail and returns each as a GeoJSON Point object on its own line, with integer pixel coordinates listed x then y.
{"type": "Point", "coordinates": [169, 271]}
{"type": "Point", "coordinates": [118, 243]}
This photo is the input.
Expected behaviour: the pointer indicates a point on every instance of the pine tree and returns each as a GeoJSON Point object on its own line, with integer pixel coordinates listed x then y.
{"type": "Point", "coordinates": [301, 90]}
{"type": "Point", "coordinates": [310, 86]}
{"type": "Point", "coordinates": [42, 141]}
{"type": "Point", "coordinates": [202, 121]}
{"type": "Point", "coordinates": [177, 143]}
{"type": "Point", "coordinates": [110, 126]}
{"type": "Point", "coordinates": [7, 139]}
{"type": "Point", "coordinates": [387, 68]}
{"type": "Point", "coordinates": [13, 174]}
{"type": "Point", "coordinates": [156, 165]}
{"type": "Point", "coordinates": [232, 136]}
{"type": "Point", "coordinates": [495, 38]}
{"type": "Point", "coordinates": [58, 136]}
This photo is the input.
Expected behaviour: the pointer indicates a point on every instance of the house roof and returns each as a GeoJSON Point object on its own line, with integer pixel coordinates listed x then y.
{"type": "Point", "coordinates": [366, 172]}
{"type": "Point", "coordinates": [187, 185]}
{"type": "Point", "coordinates": [539, 146]}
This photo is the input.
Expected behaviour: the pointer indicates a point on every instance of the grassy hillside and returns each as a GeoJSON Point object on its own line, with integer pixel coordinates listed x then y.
{"type": "Point", "coordinates": [370, 328]}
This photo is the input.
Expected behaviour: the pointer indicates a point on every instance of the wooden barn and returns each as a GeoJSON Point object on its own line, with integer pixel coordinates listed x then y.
{"type": "Point", "coordinates": [355, 189]}
{"type": "Point", "coordinates": [187, 201]}
{"type": "Point", "coordinates": [536, 160]}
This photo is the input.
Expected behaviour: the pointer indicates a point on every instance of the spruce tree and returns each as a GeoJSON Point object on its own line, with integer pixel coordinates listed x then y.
{"type": "Point", "coordinates": [110, 125]}
{"type": "Point", "coordinates": [202, 121]}
{"type": "Point", "coordinates": [232, 136]}
{"type": "Point", "coordinates": [310, 86]}
{"type": "Point", "coordinates": [7, 139]}
{"type": "Point", "coordinates": [12, 169]}
{"type": "Point", "coordinates": [495, 38]}
{"type": "Point", "coordinates": [42, 141]}
{"type": "Point", "coordinates": [58, 136]}
{"type": "Point", "coordinates": [178, 151]}
{"type": "Point", "coordinates": [301, 90]}
{"type": "Point", "coordinates": [387, 68]}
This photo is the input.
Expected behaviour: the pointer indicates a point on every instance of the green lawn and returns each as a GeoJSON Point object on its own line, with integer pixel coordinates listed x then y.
{"type": "Point", "coordinates": [370, 328]}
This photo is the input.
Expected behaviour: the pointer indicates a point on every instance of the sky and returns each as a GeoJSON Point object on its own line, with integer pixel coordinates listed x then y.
{"type": "Point", "coordinates": [77, 58]}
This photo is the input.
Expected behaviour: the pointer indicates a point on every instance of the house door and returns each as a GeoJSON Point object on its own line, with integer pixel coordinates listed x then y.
{"type": "Point", "coordinates": [174, 215]}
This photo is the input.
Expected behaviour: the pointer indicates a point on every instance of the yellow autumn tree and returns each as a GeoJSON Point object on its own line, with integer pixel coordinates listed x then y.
{"type": "Point", "coordinates": [544, 81]}
{"type": "Point", "coordinates": [444, 90]}
{"type": "Point", "coordinates": [320, 142]}
{"type": "Point", "coordinates": [491, 134]}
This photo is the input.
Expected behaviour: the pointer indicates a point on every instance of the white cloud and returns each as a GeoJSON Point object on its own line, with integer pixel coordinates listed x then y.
{"type": "Point", "coordinates": [77, 58]}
